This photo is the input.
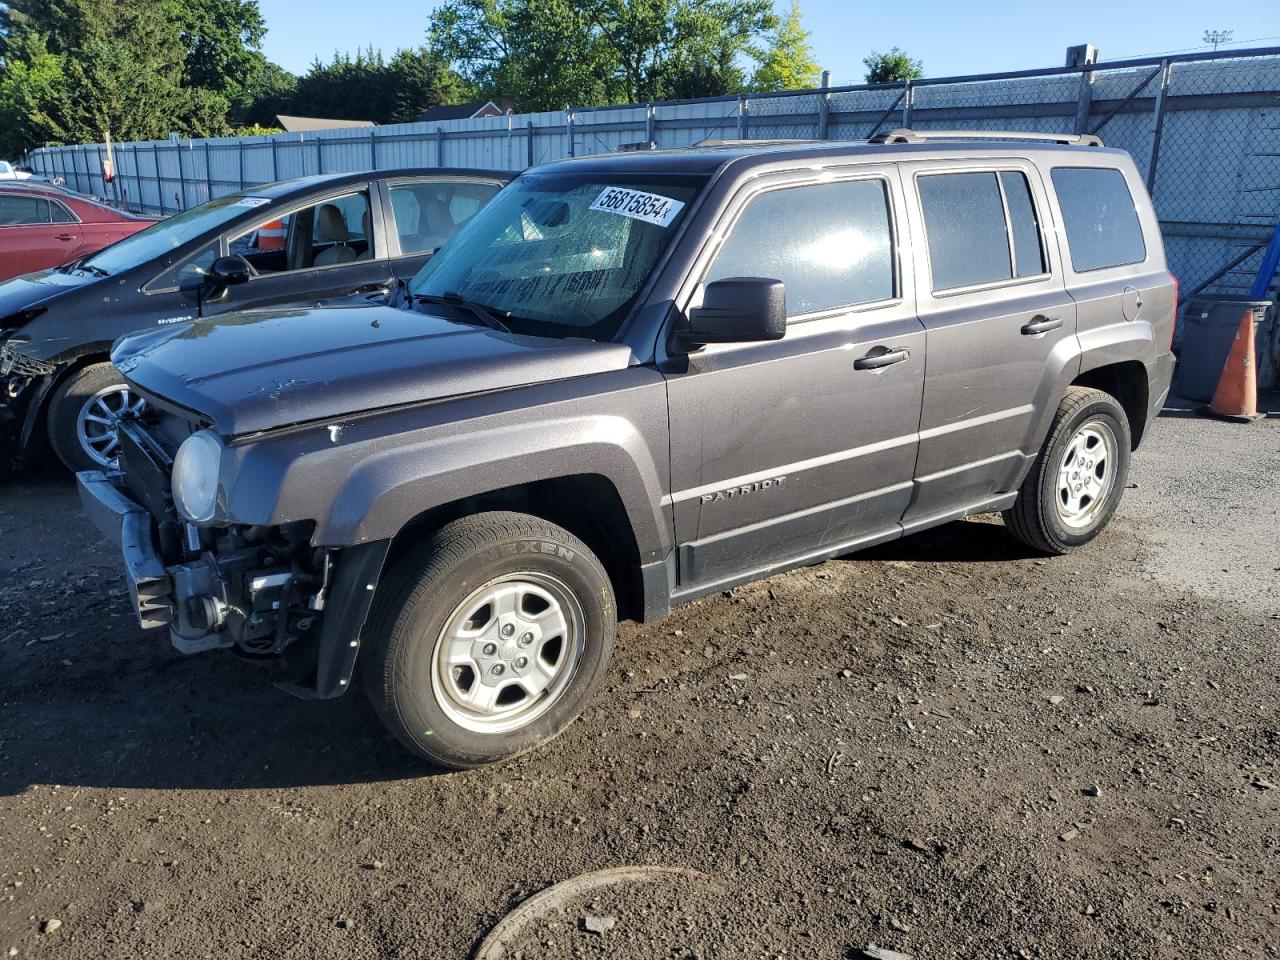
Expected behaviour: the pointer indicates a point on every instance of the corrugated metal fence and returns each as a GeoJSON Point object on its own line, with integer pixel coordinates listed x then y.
{"type": "Point", "coordinates": [1203, 128]}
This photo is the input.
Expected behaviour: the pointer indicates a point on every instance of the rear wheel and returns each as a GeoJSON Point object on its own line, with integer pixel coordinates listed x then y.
{"type": "Point", "coordinates": [83, 415]}
{"type": "Point", "coordinates": [489, 639]}
{"type": "Point", "coordinates": [1076, 483]}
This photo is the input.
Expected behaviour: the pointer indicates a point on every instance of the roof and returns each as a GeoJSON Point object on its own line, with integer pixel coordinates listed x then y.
{"type": "Point", "coordinates": [712, 156]}
{"type": "Point", "coordinates": [308, 124]}
{"type": "Point", "coordinates": [457, 111]}
{"type": "Point", "coordinates": [286, 188]}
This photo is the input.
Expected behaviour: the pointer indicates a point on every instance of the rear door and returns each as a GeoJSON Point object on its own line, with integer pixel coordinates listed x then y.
{"type": "Point", "coordinates": [424, 212]}
{"type": "Point", "coordinates": [29, 240]}
{"type": "Point", "coordinates": [325, 248]}
{"type": "Point", "coordinates": [804, 446]}
{"type": "Point", "coordinates": [1000, 328]}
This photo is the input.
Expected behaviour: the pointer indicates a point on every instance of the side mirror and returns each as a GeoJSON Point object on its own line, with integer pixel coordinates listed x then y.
{"type": "Point", "coordinates": [229, 271]}
{"type": "Point", "coordinates": [738, 310]}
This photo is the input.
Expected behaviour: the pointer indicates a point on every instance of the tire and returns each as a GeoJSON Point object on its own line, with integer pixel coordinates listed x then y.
{"type": "Point", "coordinates": [97, 390]}
{"type": "Point", "coordinates": [502, 567]}
{"type": "Point", "coordinates": [1060, 509]}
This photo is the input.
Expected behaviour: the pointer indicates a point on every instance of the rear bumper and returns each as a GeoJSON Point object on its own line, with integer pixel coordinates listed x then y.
{"type": "Point", "coordinates": [131, 528]}
{"type": "Point", "coordinates": [1159, 379]}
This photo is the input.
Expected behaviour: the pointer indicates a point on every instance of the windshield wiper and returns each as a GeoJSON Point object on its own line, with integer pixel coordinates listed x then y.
{"type": "Point", "coordinates": [96, 271]}
{"type": "Point", "coordinates": [483, 312]}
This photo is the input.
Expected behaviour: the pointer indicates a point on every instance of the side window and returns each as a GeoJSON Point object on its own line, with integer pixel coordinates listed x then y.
{"type": "Point", "coordinates": [429, 213]}
{"type": "Point", "coordinates": [332, 232]}
{"type": "Point", "coordinates": [830, 244]}
{"type": "Point", "coordinates": [1100, 218]}
{"type": "Point", "coordinates": [1024, 225]}
{"type": "Point", "coordinates": [22, 211]}
{"type": "Point", "coordinates": [964, 222]}
{"type": "Point", "coordinates": [60, 214]}
{"type": "Point", "coordinates": [969, 219]}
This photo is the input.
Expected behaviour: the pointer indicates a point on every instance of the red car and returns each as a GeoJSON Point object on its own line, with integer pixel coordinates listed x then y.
{"type": "Point", "coordinates": [42, 226]}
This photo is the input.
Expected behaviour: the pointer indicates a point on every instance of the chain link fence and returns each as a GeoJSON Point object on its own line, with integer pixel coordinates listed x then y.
{"type": "Point", "coordinates": [1204, 129]}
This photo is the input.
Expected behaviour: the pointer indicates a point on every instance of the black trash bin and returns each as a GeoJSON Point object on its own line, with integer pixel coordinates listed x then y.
{"type": "Point", "coordinates": [1209, 324]}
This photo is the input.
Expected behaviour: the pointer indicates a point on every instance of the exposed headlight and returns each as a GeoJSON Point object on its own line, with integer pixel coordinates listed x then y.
{"type": "Point", "coordinates": [195, 477]}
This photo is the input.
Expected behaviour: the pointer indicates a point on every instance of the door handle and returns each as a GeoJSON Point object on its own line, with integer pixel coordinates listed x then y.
{"type": "Point", "coordinates": [884, 358]}
{"type": "Point", "coordinates": [372, 288]}
{"type": "Point", "coordinates": [64, 236]}
{"type": "Point", "coordinates": [1041, 324]}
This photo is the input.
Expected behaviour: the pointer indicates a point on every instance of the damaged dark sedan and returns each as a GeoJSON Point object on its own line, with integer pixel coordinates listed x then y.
{"type": "Point", "coordinates": [311, 239]}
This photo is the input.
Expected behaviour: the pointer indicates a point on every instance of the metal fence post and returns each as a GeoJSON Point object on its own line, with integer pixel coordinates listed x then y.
{"type": "Point", "coordinates": [529, 128]}
{"type": "Point", "coordinates": [1166, 71]}
{"type": "Point", "coordinates": [275, 162]}
{"type": "Point", "coordinates": [568, 125]}
{"type": "Point", "coordinates": [208, 174]}
{"type": "Point", "coordinates": [155, 162]}
{"type": "Point", "coordinates": [439, 146]}
{"type": "Point", "coordinates": [651, 124]}
{"type": "Point", "coordinates": [824, 106]}
{"type": "Point", "coordinates": [1084, 101]}
{"type": "Point", "coordinates": [908, 103]}
{"type": "Point", "coordinates": [744, 118]}
{"type": "Point", "coordinates": [373, 149]}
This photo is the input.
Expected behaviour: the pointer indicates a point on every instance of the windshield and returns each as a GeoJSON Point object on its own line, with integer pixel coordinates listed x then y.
{"type": "Point", "coordinates": [168, 235]}
{"type": "Point", "coordinates": [562, 253]}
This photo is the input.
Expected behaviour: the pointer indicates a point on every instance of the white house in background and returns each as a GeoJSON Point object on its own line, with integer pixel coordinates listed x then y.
{"type": "Point", "coordinates": [464, 111]}
{"type": "Point", "coordinates": [309, 124]}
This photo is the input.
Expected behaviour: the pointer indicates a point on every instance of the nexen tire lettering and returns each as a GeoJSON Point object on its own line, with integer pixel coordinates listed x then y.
{"type": "Point", "coordinates": [530, 546]}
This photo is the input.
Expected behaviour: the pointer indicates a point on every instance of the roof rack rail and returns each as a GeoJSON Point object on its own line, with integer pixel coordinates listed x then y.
{"type": "Point", "coordinates": [907, 135]}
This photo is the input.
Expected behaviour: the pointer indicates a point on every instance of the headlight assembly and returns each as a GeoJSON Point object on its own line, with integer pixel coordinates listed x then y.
{"type": "Point", "coordinates": [195, 477]}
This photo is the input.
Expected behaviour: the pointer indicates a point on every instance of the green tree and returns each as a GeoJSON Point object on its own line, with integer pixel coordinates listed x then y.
{"type": "Point", "coordinates": [892, 67]}
{"type": "Point", "coordinates": [370, 87]}
{"type": "Point", "coordinates": [788, 62]}
{"type": "Point", "coordinates": [30, 85]}
{"type": "Point", "coordinates": [550, 54]}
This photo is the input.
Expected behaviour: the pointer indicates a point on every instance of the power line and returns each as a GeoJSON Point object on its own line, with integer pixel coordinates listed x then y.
{"type": "Point", "coordinates": [1203, 46]}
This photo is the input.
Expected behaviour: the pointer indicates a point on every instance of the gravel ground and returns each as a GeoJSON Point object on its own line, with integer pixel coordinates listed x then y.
{"type": "Point", "coordinates": [946, 746]}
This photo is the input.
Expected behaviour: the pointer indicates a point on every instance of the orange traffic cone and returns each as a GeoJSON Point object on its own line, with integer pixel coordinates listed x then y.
{"type": "Point", "coordinates": [1236, 397]}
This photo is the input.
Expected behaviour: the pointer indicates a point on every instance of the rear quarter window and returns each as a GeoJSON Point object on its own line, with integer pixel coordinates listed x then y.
{"type": "Point", "coordinates": [1101, 220]}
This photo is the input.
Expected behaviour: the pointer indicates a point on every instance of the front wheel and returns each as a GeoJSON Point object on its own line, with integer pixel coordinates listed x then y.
{"type": "Point", "coordinates": [489, 638]}
{"type": "Point", "coordinates": [1077, 481]}
{"type": "Point", "coordinates": [84, 413]}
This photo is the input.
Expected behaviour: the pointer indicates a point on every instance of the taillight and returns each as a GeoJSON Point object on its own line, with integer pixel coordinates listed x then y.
{"type": "Point", "coordinates": [1173, 323]}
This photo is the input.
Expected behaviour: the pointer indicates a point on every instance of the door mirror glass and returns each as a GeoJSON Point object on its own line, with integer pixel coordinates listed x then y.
{"type": "Point", "coordinates": [738, 310]}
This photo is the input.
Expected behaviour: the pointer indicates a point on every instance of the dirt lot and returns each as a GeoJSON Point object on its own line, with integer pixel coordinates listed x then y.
{"type": "Point", "coordinates": [946, 746]}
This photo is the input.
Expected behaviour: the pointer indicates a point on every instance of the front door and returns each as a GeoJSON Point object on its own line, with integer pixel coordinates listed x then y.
{"type": "Point", "coordinates": [801, 447]}
{"type": "Point", "coordinates": [325, 250]}
{"type": "Point", "coordinates": [1000, 328]}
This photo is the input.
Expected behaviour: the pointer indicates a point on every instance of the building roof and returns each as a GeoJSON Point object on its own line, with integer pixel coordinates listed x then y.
{"type": "Point", "coordinates": [307, 124]}
{"type": "Point", "coordinates": [460, 111]}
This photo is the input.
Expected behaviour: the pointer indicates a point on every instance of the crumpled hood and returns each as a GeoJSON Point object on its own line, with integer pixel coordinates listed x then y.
{"type": "Point", "coordinates": [23, 293]}
{"type": "Point", "coordinates": [261, 369]}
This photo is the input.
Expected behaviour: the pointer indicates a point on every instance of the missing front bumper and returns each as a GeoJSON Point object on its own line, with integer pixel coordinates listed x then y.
{"type": "Point", "coordinates": [130, 526]}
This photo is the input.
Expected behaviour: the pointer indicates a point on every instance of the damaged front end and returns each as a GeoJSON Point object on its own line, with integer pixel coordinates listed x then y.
{"type": "Point", "coordinates": [24, 382]}
{"type": "Point", "coordinates": [257, 590]}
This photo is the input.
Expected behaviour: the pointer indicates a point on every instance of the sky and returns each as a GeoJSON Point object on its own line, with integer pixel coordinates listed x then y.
{"type": "Point", "coordinates": [952, 39]}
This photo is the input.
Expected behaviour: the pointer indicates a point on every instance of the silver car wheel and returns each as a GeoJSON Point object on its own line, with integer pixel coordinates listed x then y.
{"type": "Point", "coordinates": [98, 418]}
{"type": "Point", "coordinates": [1086, 474]}
{"type": "Point", "coordinates": [508, 652]}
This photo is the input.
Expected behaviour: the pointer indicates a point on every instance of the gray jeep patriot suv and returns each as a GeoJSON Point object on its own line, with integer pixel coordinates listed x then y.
{"type": "Point", "coordinates": [629, 381]}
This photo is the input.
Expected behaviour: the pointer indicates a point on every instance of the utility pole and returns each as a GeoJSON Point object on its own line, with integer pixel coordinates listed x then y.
{"type": "Point", "coordinates": [1216, 37]}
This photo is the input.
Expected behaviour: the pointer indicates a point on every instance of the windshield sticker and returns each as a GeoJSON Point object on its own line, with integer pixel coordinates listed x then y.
{"type": "Point", "coordinates": [251, 202]}
{"type": "Point", "coordinates": [638, 205]}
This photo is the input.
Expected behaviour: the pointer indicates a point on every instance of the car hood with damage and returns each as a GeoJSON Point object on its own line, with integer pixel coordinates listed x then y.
{"type": "Point", "coordinates": [21, 294]}
{"type": "Point", "coordinates": [259, 370]}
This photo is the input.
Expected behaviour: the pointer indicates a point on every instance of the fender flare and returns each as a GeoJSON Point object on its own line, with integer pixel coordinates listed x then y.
{"type": "Point", "coordinates": [385, 491]}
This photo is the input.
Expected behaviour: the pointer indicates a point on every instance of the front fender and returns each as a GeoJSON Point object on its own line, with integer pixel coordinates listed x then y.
{"type": "Point", "coordinates": [386, 491]}
{"type": "Point", "coordinates": [364, 479]}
